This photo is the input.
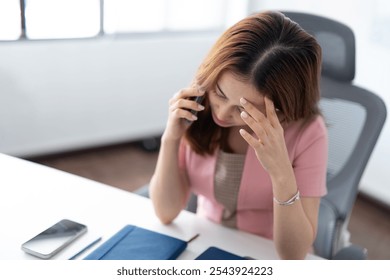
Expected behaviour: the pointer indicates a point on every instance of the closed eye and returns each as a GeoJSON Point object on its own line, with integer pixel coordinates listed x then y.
{"type": "Point", "coordinates": [220, 93]}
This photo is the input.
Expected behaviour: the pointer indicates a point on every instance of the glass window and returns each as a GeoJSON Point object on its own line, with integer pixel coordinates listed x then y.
{"type": "Point", "coordinates": [57, 19]}
{"type": "Point", "coordinates": [10, 26]}
{"type": "Point", "coordinates": [49, 19]}
{"type": "Point", "coordinates": [122, 16]}
{"type": "Point", "coordinates": [195, 15]}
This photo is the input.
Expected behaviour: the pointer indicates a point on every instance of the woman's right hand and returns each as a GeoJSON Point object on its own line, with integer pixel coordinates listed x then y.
{"type": "Point", "coordinates": [180, 106]}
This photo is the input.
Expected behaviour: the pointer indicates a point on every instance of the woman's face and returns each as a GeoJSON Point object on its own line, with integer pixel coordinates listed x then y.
{"type": "Point", "coordinates": [225, 100]}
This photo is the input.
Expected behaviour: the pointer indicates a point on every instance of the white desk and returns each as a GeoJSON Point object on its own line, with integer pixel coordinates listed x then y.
{"type": "Point", "coordinates": [33, 197]}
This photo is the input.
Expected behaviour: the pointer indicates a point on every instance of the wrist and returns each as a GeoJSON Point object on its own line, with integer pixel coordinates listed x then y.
{"type": "Point", "coordinates": [284, 184]}
{"type": "Point", "coordinates": [282, 175]}
{"type": "Point", "coordinates": [288, 202]}
{"type": "Point", "coordinates": [166, 139]}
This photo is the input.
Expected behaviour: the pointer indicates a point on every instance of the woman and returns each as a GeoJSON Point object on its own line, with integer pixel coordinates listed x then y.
{"type": "Point", "coordinates": [256, 153]}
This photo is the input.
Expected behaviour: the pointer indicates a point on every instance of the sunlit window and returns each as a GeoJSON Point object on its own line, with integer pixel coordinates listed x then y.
{"type": "Point", "coordinates": [124, 16]}
{"type": "Point", "coordinates": [134, 15]}
{"type": "Point", "coordinates": [47, 19]}
{"type": "Point", "coordinates": [10, 26]}
{"type": "Point", "coordinates": [61, 19]}
{"type": "Point", "coordinates": [193, 15]}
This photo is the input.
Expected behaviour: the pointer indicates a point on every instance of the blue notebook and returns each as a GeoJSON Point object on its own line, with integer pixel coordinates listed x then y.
{"type": "Point", "coordinates": [136, 243]}
{"type": "Point", "coordinates": [214, 253]}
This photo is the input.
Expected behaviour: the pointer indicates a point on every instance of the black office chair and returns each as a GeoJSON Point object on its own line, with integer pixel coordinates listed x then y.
{"type": "Point", "coordinates": [355, 118]}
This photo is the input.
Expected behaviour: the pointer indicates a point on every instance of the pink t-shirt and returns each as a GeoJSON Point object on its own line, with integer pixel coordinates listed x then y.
{"type": "Point", "coordinates": [308, 150]}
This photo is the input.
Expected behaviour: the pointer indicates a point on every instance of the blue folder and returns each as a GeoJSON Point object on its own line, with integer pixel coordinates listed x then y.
{"type": "Point", "coordinates": [214, 253]}
{"type": "Point", "coordinates": [136, 243]}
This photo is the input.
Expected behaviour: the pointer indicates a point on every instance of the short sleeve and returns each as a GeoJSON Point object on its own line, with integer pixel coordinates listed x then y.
{"type": "Point", "coordinates": [311, 157]}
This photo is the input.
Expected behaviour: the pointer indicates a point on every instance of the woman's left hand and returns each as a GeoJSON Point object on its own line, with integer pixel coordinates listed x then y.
{"type": "Point", "coordinates": [268, 139]}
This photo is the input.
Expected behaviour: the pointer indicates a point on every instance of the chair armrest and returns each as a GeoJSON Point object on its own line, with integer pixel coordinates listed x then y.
{"type": "Point", "coordinates": [352, 252]}
{"type": "Point", "coordinates": [327, 217]}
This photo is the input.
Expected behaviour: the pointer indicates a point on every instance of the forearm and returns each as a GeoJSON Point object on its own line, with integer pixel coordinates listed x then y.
{"type": "Point", "coordinates": [294, 233]}
{"type": "Point", "coordinates": [167, 190]}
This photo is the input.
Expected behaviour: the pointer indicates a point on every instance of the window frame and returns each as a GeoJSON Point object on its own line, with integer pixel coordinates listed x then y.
{"type": "Point", "coordinates": [102, 33]}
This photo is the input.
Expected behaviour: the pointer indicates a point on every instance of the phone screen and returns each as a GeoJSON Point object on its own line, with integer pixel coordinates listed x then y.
{"type": "Point", "coordinates": [53, 239]}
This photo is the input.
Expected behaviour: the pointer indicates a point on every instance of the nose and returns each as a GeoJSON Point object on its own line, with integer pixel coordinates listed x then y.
{"type": "Point", "coordinates": [224, 113]}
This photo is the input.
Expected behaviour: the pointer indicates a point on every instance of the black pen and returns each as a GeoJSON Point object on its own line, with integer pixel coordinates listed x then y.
{"type": "Point", "coordinates": [192, 238]}
{"type": "Point", "coordinates": [85, 248]}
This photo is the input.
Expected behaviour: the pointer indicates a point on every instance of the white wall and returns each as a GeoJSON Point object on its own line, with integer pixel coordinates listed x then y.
{"type": "Point", "coordinates": [370, 21]}
{"type": "Point", "coordinates": [57, 96]}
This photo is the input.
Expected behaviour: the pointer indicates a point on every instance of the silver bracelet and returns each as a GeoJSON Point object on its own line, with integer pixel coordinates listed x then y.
{"type": "Point", "coordinates": [290, 201]}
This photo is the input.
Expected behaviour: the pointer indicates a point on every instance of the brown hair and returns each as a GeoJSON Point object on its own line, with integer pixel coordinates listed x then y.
{"type": "Point", "coordinates": [271, 52]}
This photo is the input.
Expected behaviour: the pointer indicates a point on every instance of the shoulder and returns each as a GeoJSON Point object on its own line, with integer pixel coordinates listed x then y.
{"type": "Point", "coordinates": [306, 129]}
{"type": "Point", "coordinates": [301, 135]}
{"type": "Point", "coordinates": [310, 157]}
{"type": "Point", "coordinates": [314, 129]}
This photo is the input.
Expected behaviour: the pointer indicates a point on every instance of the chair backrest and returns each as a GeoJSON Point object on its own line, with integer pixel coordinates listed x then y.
{"type": "Point", "coordinates": [337, 41]}
{"type": "Point", "coordinates": [354, 118]}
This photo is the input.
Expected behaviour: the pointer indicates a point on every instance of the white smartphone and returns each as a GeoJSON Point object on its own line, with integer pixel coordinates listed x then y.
{"type": "Point", "coordinates": [52, 240]}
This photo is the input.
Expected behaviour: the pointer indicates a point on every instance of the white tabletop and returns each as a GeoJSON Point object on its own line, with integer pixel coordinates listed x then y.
{"type": "Point", "coordinates": [34, 197]}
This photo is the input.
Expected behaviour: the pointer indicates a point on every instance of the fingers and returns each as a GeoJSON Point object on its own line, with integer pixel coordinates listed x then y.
{"type": "Point", "coordinates": [255, 126]}
{"type": "Point", "coordinates": [254, 118]}
{"type": "Point", "coordinates": [188, 92]}
{"type": "Point", "coordinates": [186, 104]}
{"type": "Point", "coordinates": [265, 126]}
{"type": "Point", "coordinates": [184, 114]}
{"type": "Point", "coordinates": [252, 110]}
{"type": "Point", "coordinates": [181, 106]}
{"type": "Point", "coordinates": [270, 119]}
{"type": "Point", "coordinates": [186, 109]}
{"type": "Point", "coordinates": [271, 112]}
{"type": "Point", "coordinates": [252, 141]}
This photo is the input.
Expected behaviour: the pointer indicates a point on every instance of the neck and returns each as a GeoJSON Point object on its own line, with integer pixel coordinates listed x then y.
{"type": "Point", "coordinates": [236, 144]}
